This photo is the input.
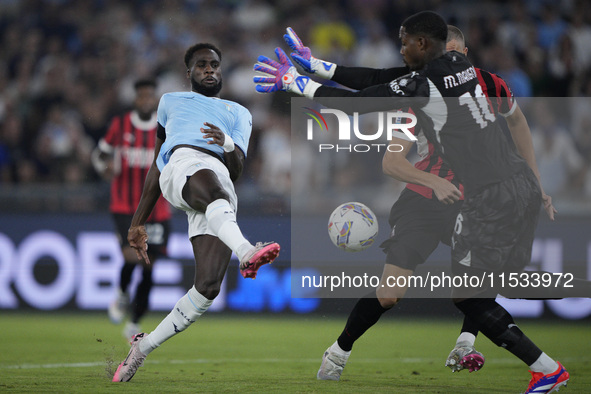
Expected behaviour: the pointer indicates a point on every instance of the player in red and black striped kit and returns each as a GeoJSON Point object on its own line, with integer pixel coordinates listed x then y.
{"type": "Point", "coordinates": [124, 156]}
{"type": "Point", "coordinates": [491, 172]}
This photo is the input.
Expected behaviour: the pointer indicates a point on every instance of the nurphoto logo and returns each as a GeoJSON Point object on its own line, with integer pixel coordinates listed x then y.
{"type": "Point", "coordinates": [349, 129]}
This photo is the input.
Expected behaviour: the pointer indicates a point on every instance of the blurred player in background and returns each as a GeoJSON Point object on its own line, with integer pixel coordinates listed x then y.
{"type": "Point", "coordinates": [477, 243]}
{"type": "Point", "coordinates": [201, 146]}
{"type": "Point", "coordinates": [124, 156]}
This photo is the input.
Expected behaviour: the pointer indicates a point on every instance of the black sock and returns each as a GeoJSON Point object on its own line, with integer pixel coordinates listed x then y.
{"type": "Point", "coordinates": [497, 324]}
{"type": "Point", "coordinates": [365, 314]}
{"type": "Point", "coordinates": [470, 326]}
{"type": "Point", "coordinates": [142, 294]}
{"type": "Point", "coordinates": [125, 276]}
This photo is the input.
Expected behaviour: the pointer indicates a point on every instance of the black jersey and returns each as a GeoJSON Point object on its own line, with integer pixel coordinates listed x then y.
{"type": "Point", "coordinates": [455, 115]}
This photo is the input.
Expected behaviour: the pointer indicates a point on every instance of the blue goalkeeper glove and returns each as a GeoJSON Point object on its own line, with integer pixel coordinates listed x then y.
{"type": "Point", "coordinates": [302, 55]}
{"type": "Point", "coordinates": [282, 75]}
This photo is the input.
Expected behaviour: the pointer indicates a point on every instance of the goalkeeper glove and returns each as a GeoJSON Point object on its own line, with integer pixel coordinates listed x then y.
{"type": "Point", "coordinates": [302, 55]}
{"type": "Point", "coordinates": [282, 75]}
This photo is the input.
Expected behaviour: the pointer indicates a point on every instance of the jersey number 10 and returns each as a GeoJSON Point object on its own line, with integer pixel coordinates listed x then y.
{"type": "Point", "coordinates": [478, 106]}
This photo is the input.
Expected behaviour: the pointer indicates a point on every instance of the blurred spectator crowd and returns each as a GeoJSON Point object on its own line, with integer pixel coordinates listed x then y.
{"type": "Point", "coordinates": [68, 66]}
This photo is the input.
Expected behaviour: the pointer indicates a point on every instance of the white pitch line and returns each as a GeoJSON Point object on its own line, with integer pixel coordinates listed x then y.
{"type": "Point", "coordinates": [56, 365]}
{"type": "Point", "coordinates": [408, 360]}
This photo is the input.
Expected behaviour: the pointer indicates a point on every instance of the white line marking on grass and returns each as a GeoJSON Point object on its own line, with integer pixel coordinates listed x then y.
{"type": "Point", "coordinates": [56, 365]}
{"type": "Point", "coordinates": [411, 360]}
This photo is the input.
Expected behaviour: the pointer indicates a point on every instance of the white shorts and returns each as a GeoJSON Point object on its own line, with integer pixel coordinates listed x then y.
{"type": "Point", "coordinates": [183, 163]}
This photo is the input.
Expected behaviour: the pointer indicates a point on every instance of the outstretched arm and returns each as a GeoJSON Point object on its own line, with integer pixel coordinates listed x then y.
{"type": "Point", "coordinates": [137, 236]}
{"type": "Point", "coordinates": [352, 77]}
{"type": "Point", "coordinates": [521, 135]}
{"type": "Point", "coordinates": [363, 77]}
{"type": "Point", "coordinates": [282, 75]}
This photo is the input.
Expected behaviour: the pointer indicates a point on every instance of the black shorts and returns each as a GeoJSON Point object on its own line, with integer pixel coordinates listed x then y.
{"type": "Point", "coordinates": [495, 228]}
{"type": "Point", "coordinates": [418, 225]}
{"type": "Point", "coordinates": [158, 233]}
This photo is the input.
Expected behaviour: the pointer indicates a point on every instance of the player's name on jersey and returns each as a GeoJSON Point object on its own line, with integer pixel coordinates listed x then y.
{"type": "Point", "coordinates": [459, 78]}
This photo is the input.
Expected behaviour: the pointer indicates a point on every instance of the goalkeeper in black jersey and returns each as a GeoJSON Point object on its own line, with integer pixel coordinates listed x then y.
{"type": "Point", "coordinates": [495, 226]}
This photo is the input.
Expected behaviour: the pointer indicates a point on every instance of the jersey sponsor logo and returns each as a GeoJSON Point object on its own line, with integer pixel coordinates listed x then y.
{"type": "Point", "coordinates": [138, 157]}
{"type": "Point", "coordinates": [395, 86]}
{"type": "Point", "coordinates": [402, 82]}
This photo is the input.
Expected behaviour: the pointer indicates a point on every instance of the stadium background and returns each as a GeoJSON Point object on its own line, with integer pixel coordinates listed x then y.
{"type": "Point", "coordinates": [66, 67]}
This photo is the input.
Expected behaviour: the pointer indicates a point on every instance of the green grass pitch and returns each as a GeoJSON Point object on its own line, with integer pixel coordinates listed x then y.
{"type": "Point", "coordinates": [72, 353]}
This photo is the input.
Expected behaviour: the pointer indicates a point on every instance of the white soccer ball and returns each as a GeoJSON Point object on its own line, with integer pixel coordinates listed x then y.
{"type": "Point", "coordinates": [352, 227]}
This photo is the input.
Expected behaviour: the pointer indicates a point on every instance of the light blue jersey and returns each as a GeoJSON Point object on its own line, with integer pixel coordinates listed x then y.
{"type": "Point", "coordinates": [182, 114]}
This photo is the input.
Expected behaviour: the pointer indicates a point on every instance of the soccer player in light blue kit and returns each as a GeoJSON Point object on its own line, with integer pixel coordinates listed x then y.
{"type": "Point", "coordinates": [200, 149]}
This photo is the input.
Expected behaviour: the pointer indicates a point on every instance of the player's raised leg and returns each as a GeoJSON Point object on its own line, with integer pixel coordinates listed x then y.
{"type": "Point", "coordinates": [206, 192]}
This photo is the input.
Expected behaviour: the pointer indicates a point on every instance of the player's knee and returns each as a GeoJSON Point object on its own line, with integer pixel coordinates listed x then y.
{"type": "Point", "coordinates": [209, 290]}
{"type": "Point", "coordinates": [219, 194]}
{"type": "Point", "coordinates": [388, 303]}
{"type": "Point", "coordinates": [388, 297]}
{"type": "Point", "coordinates": [210, 293]}
{"type": "Point", "coordinates": [199, 197]}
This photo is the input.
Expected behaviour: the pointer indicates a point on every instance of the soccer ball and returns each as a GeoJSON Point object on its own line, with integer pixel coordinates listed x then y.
{"type": "Point", "coordinates": [352, 227]}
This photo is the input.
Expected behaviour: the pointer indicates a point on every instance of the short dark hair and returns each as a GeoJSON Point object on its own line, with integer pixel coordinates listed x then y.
{"type": "Point", "coordinates": [453, 33]}
{"type": "Point", "coordinates": [203, 45]}
{"type": "Point", "coordinates": [145, 82]}
{"type": "Point", "coordinates": [428, 23]}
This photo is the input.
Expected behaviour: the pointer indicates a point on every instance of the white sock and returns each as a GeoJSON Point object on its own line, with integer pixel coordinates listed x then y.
{"type": "Point", "coordinates": [544, 364]}
{"type": "Point", "coordinates": [185, 312]}
{"type": "Point", "coordinates": [222, 221]}
{"type": "Point", "coordinates": [335, 348]}
{"type": "Point", "coordinates": [466, 339]}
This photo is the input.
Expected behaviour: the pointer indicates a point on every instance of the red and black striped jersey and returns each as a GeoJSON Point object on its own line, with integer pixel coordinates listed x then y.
{"type": "Point", "coordinates": [502, 102]}
{"type": "Point", "coordinates": [131, 141]}
{"type": "Point", "coordinates": [499, 97]}
{"type": "Point", "coordinates": [498, 92]}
